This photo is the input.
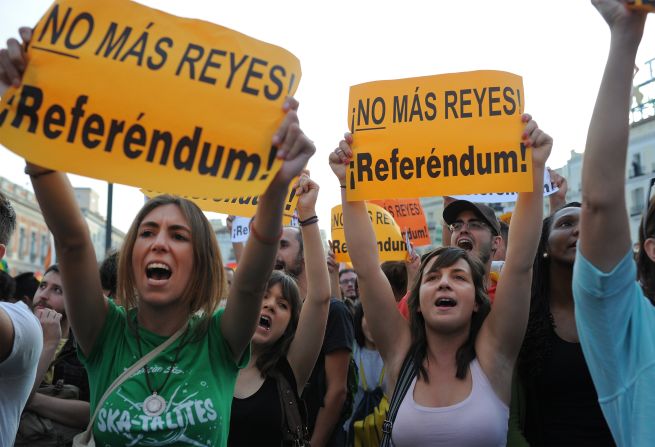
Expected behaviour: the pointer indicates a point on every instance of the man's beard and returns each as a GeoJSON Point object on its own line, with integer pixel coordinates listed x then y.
{"type": "Point", "coordinates": [294, 270]}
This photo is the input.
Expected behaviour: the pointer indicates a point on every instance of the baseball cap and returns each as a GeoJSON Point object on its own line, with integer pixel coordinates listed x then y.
{"type": "Point", "coordinates": [481, 210]}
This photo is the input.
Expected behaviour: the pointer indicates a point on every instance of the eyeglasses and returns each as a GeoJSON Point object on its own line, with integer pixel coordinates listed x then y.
{"type": "Point", "coordinates": [343, 282]}
{"type": "Point", "coordinates": [470, 225]}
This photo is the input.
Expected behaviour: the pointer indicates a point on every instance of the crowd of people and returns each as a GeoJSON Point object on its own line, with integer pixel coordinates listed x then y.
{"type": "Point", "coordinates": [538, 332]}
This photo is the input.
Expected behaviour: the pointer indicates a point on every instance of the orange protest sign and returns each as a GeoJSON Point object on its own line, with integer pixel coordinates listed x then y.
{"type": "Point", "coordinates": [121, 92]}
{"type": "Point", "coordinates": [238, 206]}
{"type": "Point", "coordinates": [390, 241]}
{"type": "Point", "coordinates": [447, 134]}
{"type": "Point", "coordinates": [408, 214]}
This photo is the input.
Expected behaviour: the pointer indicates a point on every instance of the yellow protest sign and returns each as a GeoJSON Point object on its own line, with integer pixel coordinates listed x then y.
{"type": "Point", "coordinates": [391, 243]}
{"type": "Point", "coordinates": [238, 206]}
{"type": "Point", "coordinates": [121, 92]}
{"type": "Point", "coordinates": [447, 134]}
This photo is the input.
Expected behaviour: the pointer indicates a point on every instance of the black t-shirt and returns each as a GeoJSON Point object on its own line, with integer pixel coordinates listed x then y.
{"type": "Point", "coordinates": [339, 334]}
{"type": "Point", "coordinates": [567, 410]}
{"type": "Point", "coordinates": [257, 420]}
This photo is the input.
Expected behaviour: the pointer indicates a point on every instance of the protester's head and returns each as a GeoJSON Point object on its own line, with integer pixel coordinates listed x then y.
{"type": "Point", "coordinates": [26, 287]}
{"type": "Point", "coordinates": [278, 320]}
{"type": "Point", "coordinates": [474, 227]}
{"type": "Point", "coordinates": [229, 278]}
{"type": "Point", "coordinates": [396, 273]}
{"type": "Point", "coordinates": [646, 254]}
{"type": "Point", "coordinates": [109, 274]}
{"type": "Point", "coordinates": [50, 293]}
{"type": "Point", "coordinates": [7, 223]}
{"type": "Point", "coordinates": [170, 254]}
{"type": "Point", "coordinates": [348, 284]}
{"type": "Point", "coordinates": [556, 253]}
{"type": "Point", "coordinates": [501, 251]}
{"type": "Point", "coordinates": [448, 297]}
{"type": "Point", "coordinates": [7, 287]}
{"type": "Point", "coordinates": [289, 256]}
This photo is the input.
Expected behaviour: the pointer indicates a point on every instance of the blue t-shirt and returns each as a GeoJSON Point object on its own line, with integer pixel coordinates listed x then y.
{"type": "Point", "coordinates": [616, 325]}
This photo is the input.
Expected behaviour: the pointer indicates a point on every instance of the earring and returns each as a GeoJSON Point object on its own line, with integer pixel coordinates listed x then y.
{"type": "Point", "coordinates": [545, 255]}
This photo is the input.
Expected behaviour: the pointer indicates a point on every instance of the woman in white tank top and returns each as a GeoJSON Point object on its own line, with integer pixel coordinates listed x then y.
{"type": "Point", "coordinates": [464, 352]}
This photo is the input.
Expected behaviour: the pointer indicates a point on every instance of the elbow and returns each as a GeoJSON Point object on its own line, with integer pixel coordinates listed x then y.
{"type": "Point", "coordinates": [337, 396]}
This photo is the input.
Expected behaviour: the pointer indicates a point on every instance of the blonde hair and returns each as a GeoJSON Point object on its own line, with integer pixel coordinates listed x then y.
{"type": "Point", "coordinates": [207, 282]}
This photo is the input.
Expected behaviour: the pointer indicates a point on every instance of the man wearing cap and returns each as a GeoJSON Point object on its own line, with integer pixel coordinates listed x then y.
{"type": "Point", "coordinates": [475, 228]}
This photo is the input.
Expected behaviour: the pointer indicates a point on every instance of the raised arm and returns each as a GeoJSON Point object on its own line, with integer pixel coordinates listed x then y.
{"type": "Point", "coordinates": [500, 338]}
{"type": "Point", "coordinates": [306, 345]}
{"type": "Point", "coordinates": [603, 171]}
{"type": "Point", "coordinates": [85, 305]}
{"type": "Point", "coordinates": [388, 327]}
{"type": "Point", "coordinates": [245, 298]}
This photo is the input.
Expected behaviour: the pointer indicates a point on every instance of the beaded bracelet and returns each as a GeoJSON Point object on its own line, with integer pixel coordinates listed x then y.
{"type": "Point", "coordinates": [308, 221]}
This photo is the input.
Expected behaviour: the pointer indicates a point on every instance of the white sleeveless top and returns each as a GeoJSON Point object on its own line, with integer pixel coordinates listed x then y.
{"type": "Point", "coordinates": [479, 420]}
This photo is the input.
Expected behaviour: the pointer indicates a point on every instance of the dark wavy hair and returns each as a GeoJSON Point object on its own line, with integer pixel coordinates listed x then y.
{"type": "Point", "coordinates": [645, 265]}
{"type": "Point", "coordinates": [536, 346]}
{"type": "Point", "coordinates": [269, 358]}
{"type": "Point", "coordinates": [446, 257]}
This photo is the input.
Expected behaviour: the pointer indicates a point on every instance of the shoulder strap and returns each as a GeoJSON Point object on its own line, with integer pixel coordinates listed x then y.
{"type": "Point", "coordinates": [402, 385]}
{"type": "Point", "coordinates": [129, 372]}
{"type": "Point", "coordinates": [294, 431]}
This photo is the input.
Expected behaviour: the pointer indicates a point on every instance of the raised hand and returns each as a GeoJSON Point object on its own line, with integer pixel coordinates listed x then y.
{"type": "Point", "coordinates": [293, 145]}
{"type": "Point", "coordinates": [307, 191]}
{"type": "Point", "coordinates": [341, 156]}
{"type": "Point", "coordinates": [540, 142]}
{"type": "Point", "coordinates": [13, 61]}
{"type": "Point", "coordinates": [620, 18]}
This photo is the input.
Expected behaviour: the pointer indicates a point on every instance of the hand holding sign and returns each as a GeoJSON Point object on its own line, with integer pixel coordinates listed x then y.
{"type": "Point", "coordinates": [541, 142]}
{"type": "Point", "coordinates": [618, 15]}
{"type": "Point", "coordinates": [13, 61]}
{"type": "Point", "coordinates": [293, 145]}
{"type": "Point", "coordinates": [340, 157]}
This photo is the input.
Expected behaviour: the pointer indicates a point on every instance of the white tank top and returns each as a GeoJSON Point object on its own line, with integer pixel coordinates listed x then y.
{"type": "Point", "coordinates": [477, 421]}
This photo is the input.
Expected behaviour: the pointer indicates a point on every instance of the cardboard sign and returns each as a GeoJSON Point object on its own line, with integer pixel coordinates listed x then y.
{"type": "Point", "coordinates": [238, 206]}
{"type": "Point", "coordinates": [438, 135]}
{"type": "Point", "coordinates": [240, 229]}
{"type": "Point", "coordinates": [391, 242]}
{"type": "Point", "coordinates": [408, 214]}
{"type": "Point", "coordinates": [124, 93]}
{"type": "Point", "coordinates": [549, 188]}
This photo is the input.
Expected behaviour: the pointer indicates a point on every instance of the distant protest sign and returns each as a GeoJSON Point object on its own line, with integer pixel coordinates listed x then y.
{"type": "Point", "coordinates": [121, 92]}
{"type": "Point", "coordinates": [549, 188]}
{"type": "Point", "coordinates": [391, 243]}
{"type": "Point", "coordinates": [239, 206]}
{"type": "Point", "coordinates": [447, 134]}
{"type": "Point", "coordinates": [408, 214]}
{"type": "Point", "coordinates": [240, 229]}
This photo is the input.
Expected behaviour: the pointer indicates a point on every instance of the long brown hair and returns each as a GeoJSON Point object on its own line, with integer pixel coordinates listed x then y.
{"type": "Point", "coordinates": [446, 257]}
{"type": "Point", "coordinates": [205, 286]}
{"type": "Point", "coordinates": [645, 265]}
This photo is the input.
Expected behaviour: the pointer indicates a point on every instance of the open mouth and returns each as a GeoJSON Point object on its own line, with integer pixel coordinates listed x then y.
{"type": "Point", "coordinates": [279, 265]}
{"type": "Point", "coordinates": [446, 302]}
{"type": "Point", "coordinates": [265, 322]}
{"type": "Point", "coordinates": [465, 244]}
{"type": "Point", "coordinates": [158, 271]}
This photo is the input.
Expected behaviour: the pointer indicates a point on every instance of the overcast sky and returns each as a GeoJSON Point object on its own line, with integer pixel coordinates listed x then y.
{"type": "Point", "coordinates": [558, 46]}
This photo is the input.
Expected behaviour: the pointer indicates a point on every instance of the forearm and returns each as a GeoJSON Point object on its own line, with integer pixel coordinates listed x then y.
{"type": "Point", "coordinates": [360, 237]}
{"type": "Point", "coordinates": [250, 279]}
{"type": "Point", "coordinates": [47, 355]}
{"type": "Point", "coordinates": [603, 170]}
{"type": "Point", "coordinates": [238, 250]}
{"type": "Point", "coordinates": [328, 416]}
{"type": "Point", "coordinates": [318, 277]}
{"type": "Point", "coordinates": [73, 413]}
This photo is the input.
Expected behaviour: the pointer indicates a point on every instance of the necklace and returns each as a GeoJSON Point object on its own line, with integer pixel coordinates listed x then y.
{"type": "Point", "coordinates": [154, 404]}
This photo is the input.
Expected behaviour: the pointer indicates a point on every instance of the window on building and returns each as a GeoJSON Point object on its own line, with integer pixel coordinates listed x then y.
{"type": "Point", "coordinates": [638, 201]}
{"type": "Point", "coordinates": [21, 242]}
{"type": "Point", "coordinates": [44, 248]}
{"type": "Point", "coordinates": [33, 252]}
